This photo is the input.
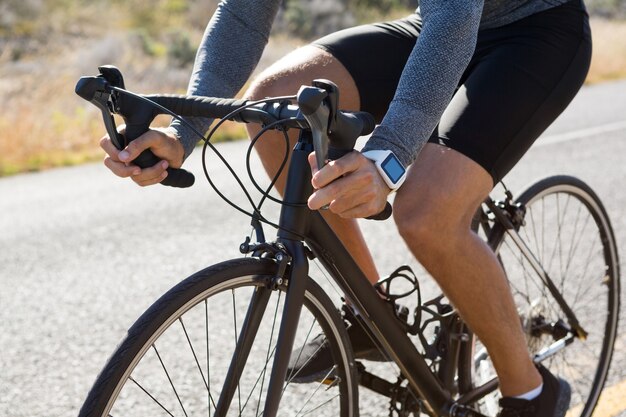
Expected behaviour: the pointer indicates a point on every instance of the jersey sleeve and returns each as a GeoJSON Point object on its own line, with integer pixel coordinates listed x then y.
{"type": "Point", "coordinates": [228, 53]}
{"type": "Point", "coordinates": [440, 56]}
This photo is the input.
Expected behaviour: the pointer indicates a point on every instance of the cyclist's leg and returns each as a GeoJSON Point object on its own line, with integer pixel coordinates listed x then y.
{"type": "Point", "coordinates": [285, 78]}
{"type": "Point", "coordinates": [433, 211]}
{"type": "Point", "coordinates": [540, 63]}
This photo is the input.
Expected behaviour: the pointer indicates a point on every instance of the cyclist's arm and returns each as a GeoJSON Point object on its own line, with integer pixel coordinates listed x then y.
{"type": "Point", "coordinates": [230, 50]}
{"type": "Point", "coordinates": [440, 56]}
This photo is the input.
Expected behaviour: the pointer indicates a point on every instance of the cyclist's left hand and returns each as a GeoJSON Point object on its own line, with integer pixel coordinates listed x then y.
{"type": "Point", "coordinates": [351, 186]}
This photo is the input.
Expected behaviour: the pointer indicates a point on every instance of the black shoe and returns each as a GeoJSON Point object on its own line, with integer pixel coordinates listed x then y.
{"type": "Point", "coordinates": [313, 361]}
{"type": "Point", "coordinates": [552, 402]}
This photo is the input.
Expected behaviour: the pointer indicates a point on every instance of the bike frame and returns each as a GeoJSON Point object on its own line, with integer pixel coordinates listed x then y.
{"type": "Point", "coordinates": [300, 225]}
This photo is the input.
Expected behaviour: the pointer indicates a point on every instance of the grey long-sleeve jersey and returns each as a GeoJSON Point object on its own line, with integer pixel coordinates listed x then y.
{"type": "Point", "coordinates": [239, 30]}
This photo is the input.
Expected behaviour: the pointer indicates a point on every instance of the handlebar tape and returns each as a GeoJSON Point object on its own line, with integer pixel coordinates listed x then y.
{"type": "Point", "coordinates": [369, 123]}
{"type": "Point", "coordinates": [383, 215]}
{"type": "Point", "coordinates": [184, 106]}
{"type": "Point", "coordinates": [176, 177]}
{"type": "Point", "coordinates": [195, 106]}
{"type": "Point", "coordinates": [347, 128]}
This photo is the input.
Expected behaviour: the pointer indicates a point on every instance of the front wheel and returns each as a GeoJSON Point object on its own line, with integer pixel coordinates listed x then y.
{"type": "Point", "coordinates": [175, 359]}
{"type": "Point", "coordinates": [568, 231]}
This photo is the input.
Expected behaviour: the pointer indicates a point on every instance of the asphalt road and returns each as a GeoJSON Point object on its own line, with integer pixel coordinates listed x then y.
{"type": "Point", "coordinates": [83, 253]}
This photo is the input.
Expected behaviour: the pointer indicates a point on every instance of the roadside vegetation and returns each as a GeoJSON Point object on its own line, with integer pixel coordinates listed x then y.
{"type": "Point", "coordinates": [45, 45]}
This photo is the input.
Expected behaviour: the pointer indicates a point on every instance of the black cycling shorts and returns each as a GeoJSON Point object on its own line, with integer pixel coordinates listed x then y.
{"type": "Point", "coordinates": [520, 78]}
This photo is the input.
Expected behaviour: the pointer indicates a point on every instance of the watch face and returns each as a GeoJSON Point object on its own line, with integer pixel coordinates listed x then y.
{"type": "Point", "coordinates": [393, 168]}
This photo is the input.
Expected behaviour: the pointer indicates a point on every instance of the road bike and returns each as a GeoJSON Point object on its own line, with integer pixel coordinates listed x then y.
{"type": "Point", "coordinates": [219, 343]}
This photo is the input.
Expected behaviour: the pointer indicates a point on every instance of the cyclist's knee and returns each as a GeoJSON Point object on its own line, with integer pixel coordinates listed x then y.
{"type": "Point", "coordinates": [299, 68]}
{"type": "Point", "coordinates": [429, 226]}
{"type": "Point", "coordinates": [416, 223]}
{"type": "Point", "coordinates": [271, 85]}
{"type": "Point", "coordinates": [285, 76]}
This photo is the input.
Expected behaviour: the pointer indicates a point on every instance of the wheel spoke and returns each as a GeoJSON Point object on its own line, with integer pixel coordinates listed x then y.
{"type": "Point", "coordinates": [317, 388]}
{"type": "Point", "coordinates": [210, 399]}
{"type": "Point", "coordinates": [169, 379]}
{"type": "Point", "coordinates": [269, 354]}
{"type": "Point", "coordinates": [193, 352]}
{"type": "Point", "coordinates": [306, 339]}
{"type": "Point", "coordinates": [308, 400]}
{"type": "Point", "coordinates": [151, 397]}
{"type": "Point", "coordinates": [259, 378]}
{"type": "Point", "coordinates": [235, 349]}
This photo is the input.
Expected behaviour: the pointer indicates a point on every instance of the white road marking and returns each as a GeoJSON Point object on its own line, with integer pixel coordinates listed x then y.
{"type": "Point", "coordinates": [577, 134]}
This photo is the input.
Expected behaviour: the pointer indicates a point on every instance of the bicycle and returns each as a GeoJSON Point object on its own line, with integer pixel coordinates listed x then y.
{"type": "Point", "coordinates": [187, 356]}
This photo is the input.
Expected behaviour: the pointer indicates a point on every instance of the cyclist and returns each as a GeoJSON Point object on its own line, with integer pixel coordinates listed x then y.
{"type": "Point", "coordinates": [460, 89]}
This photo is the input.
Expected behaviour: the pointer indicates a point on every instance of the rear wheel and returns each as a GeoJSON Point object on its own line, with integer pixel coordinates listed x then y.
{"type": "Point", "coordinates": [568, 231]}
{"type": "Point", "coordinates": [175, 358]}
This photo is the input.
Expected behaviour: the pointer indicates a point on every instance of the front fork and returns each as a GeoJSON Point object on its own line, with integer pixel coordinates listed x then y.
{"type": "Point", "coordinates": [288, 326]}
{"type": "Point", "coordinates": [294, 223]}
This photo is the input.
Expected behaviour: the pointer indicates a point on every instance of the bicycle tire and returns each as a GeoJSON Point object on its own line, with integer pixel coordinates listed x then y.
{"type": "Point", "coordinates": [180, 323]}
{"type": "Point", "coordinates": [572, 209]}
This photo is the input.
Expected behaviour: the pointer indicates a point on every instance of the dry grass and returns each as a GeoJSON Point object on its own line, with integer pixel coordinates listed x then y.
{"type": "Point", "coordinates": [44, 124]}
{"type": "Point", "coordinates": [44, 129]}
{"type": "Point", "coordinates": [609, 50]}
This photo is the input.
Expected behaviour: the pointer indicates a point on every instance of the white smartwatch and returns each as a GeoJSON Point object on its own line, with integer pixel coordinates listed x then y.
{"type": "Point", "coordinates": [389, 167]}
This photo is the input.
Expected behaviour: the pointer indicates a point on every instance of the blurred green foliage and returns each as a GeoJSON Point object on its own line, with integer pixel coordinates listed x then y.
{"type": "Point", "coordinates": [300, 17]}
{"type": "Point", "coordinates": [382, 5]}
{"type": "Point", "coordinates": [163, 28]}
{"type": "Point", "coordinates": [172, 28]}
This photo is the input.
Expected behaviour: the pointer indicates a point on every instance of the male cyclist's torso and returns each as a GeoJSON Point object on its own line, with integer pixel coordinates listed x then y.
{"type": "Point", "coordinates": [239, 31]}
{"type": "Point", "coordinates": [501, 12]}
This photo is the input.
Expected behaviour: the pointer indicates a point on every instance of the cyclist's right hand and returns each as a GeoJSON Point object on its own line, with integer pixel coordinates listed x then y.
{"type": "Point", "coordinates": [162, 142]}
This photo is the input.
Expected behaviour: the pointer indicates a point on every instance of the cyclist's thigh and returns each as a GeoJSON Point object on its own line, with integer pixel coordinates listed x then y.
{"type": "Point", "coordinates": [442, 191]}
{"type": "Point", "coordinates": [520, 79]}
{"type": "Point", "coordinates": [300, 67]}
{"type": "Point", "coordinates": [374, 55]}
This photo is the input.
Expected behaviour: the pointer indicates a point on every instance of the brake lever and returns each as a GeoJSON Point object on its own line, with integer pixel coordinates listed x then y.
{"type": "Point", "coordinates": [103, 91]}
{"type": "Point", "coordinates": [97, 91]}
{"type": "Point", "coordinates": [312, 103]}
